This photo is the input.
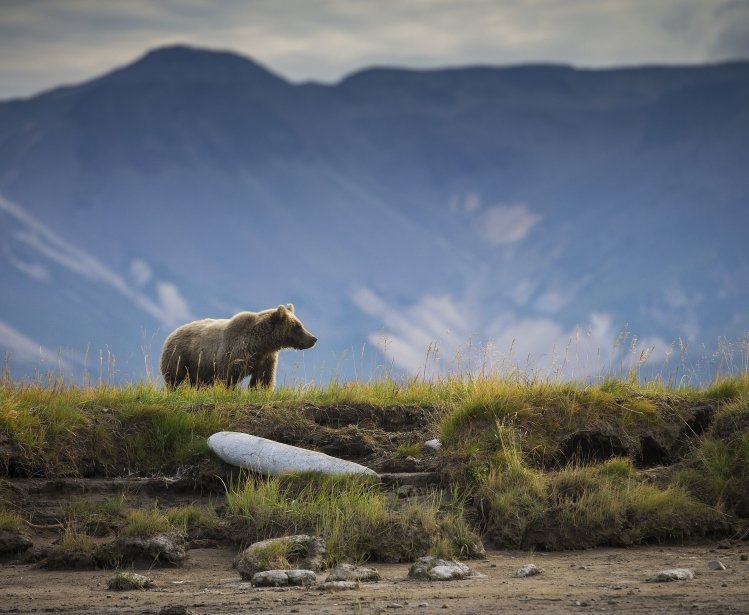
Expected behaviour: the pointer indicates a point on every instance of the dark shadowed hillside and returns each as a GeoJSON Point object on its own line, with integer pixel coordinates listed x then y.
{"type": "Point", "coordinates": [489, 204]}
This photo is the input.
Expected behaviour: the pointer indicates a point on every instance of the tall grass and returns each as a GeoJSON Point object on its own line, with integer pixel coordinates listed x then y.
{"type": "Point", "coordinates": [358, 521]}
{"type": "Point", "coordinates": [141, 428]}
{"type": "Point", "coordinates": [585, 506]}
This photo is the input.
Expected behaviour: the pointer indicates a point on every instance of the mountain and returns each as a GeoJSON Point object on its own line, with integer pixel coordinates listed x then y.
{"type": "Point", "coordinates": [535, 216]}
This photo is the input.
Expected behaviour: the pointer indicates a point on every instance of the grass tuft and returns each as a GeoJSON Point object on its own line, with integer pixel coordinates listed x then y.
{"type": "Point", "coordinates": [358, 521]}
{"type": "Point", "coordinates": [146, 522]}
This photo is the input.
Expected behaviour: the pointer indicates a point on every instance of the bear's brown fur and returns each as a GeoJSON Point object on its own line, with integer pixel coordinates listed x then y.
{"type": "Point", "coordinates": [227, 350]}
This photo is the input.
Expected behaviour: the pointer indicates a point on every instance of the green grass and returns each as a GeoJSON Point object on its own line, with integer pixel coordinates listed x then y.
{"type": "Point", "coordinates": [358, 521]}
{"type": "Point", "coordinates": [73, 549]}
{"type": "Point", "coordinates": [716, 469]}
{"type": "Point", "coordinates": [409, 450]}
{"type": "Point", "coordinates": [512, 448]}
{"type": "Point", "coordinates": [10, 521]}
{"type": "Point", "coordinates": [586, 506]}
{"type": "Point", "coordinates": [84, 510]}
{"type": "Point", "coordinates": [192, 516]}
{"type": "Point", "coordinates": [548, 417]}
{"type": "Point", "coordinates": [147, 522]}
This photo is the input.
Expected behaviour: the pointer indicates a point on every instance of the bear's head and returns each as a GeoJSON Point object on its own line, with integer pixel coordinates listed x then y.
{"type": "Point", "coordinates": [293, 332]}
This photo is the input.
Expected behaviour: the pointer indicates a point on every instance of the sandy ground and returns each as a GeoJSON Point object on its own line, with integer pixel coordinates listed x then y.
{"type": "Point", "coordinates": [599, 580]}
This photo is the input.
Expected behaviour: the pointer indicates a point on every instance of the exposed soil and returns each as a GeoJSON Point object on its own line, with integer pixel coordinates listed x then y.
{"type": "Point", "coordinates": [600, 580]}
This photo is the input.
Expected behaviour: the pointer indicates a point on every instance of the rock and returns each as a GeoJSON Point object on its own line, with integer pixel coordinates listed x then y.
{"type": "Point", "coordinates": [270, 578]}
{"type": "Point", "coordinates": [282, 578]}
{"type": "Point", "coordinates": [434, 444]}
{"type": "Point", "coordinates": [724, 544]}
{"type": "Point", "coordinates": [128, 580]}
{"type": "Point", "coordinates": [338, 585]}
{"type": "Point", "coordinates": [406, 491]}
{"type": "Point", "coordinates": [301, 577]}
{"type": "Point", "coordinates": [60, 558]}
{"type": "Point", "coordinates": [164, 549]}
{"type": "Point", "coordinates": [672, 574]}
{"type": "Point", "coordinates": [14, 542]}
{"type": "Point", "coordinates": [430, 568]}
{"type": "Point", "coordinates": [716, 565]}
{"type": "Point", "coordinates": [348, 572]}
{"type": "Point", "coordinates": [743, 557]}
{"type": "Point", "coordinates": [299, 551]}
{"type": "Point", "coordinates": [529, 570]}
{"type": "Point", "coordinates": [33, 555]}
{"type": "Point", "coordinates": [275, 458]}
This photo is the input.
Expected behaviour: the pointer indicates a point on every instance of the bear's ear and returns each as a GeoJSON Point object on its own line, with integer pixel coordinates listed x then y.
{"type": "Point", "coordinates": [278, 313]}
{"type": "Point", "coordinates": [290, 307]}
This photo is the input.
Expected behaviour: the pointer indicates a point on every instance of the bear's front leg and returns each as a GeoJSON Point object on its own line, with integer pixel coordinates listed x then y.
{"type": "Point", "coordinates": [264, 374]}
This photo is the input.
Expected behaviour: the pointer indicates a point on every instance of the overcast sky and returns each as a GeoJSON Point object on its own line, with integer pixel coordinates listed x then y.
{"type": "Point", "coordinates": [45, 43]}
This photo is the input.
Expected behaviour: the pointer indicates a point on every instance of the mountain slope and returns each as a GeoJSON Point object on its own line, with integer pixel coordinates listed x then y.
{"type": "Point", "coordinates": [493, 205]}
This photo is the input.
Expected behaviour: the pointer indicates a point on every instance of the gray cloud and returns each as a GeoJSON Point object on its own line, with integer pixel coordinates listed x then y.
{"type": "Point", "coordinates": [44, 43]}
{"type": "Point", "coordinates": [732, 40]}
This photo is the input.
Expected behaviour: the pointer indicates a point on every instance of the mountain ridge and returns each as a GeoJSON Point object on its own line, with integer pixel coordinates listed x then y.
{"type": "Point", "coordinates": [493, 203]}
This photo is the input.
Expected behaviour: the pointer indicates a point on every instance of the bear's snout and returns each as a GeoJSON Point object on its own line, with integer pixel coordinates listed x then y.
{"type": "Point", "coordinates": [308, 342]}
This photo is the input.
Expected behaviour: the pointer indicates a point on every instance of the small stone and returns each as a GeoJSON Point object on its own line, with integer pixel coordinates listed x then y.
{"type": "Point", "coordinates": [430, 568]}
{"type": "Point", "coordinates": [724, 584]}
{"type": "Point", "coordinates": [270, 578]}
{"type": "Point", "coordinates": [716, 565]}
{"type": "Point", "coordinates": [282, 578]}
{"type": "Point", "coordinates": [349, 572]}
{"type": "Point", "coordinates": [434, 444]}
{"type": "Point", "coordinates": [743, 557]}
{"type": "Point", "coordinates": [304, 578]}
{"type": "Point", "coordinates": [395, 605]}
{"type": "Point", "coordinates": [529, 570]}
{"type": "Point", "coordinates": [672, 574]}
{"type": "Point", "coordinates": [422, 605]}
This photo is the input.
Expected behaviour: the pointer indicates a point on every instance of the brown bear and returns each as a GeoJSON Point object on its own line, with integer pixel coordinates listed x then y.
{"type": "Point", "coordinates": [229, 349]}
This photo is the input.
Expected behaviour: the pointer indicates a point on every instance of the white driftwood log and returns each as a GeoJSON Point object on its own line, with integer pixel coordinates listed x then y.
{"type": "Point", "coordinates": [274, 458]}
